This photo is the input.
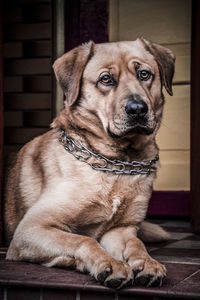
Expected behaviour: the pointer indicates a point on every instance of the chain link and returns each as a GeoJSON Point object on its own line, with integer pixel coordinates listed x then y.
{"type": "Point", "coordinates": [105, 164]}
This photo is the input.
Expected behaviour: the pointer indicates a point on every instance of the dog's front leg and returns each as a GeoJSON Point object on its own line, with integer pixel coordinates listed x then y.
{"type": "Point", "coordinates": [39, 241]}
{"type": "Point", "coordinates": [122, 243]}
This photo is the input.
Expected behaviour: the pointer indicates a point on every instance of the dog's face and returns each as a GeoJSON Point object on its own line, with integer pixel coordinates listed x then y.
{"type": "Point", "coordinates": [119, 83]}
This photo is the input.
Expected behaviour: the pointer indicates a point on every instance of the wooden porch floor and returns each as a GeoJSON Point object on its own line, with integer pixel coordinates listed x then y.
{"type": "Point", "coordinates": [181, 255]}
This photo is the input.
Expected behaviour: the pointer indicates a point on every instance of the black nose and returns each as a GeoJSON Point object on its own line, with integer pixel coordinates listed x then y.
{"type": "Point", "coordinates": [136, 107]}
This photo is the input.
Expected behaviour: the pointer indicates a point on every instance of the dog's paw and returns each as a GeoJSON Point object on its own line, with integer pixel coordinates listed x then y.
{"type": "Point", "coordinates": [114, 274]}
{"type": "Point", "coordinates": [148, 272]}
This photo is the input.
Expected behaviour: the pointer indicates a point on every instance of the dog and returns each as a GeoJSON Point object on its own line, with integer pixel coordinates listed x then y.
{"type": "Point", "coordinates": [77, 195]}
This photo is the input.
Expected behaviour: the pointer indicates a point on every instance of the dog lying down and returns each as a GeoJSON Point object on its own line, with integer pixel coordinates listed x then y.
{"type": "Point", "coordinates": [77, 195]}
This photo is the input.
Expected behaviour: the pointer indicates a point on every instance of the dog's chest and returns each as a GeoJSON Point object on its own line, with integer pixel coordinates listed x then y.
{"type": "Point", "coordinates": [116, 202]}
{"type": "Point", "coordinates": [109, 205]}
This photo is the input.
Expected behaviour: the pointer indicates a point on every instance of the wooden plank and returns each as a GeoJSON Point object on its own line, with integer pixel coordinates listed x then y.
{"type": "Point", "coordinates": [144, 18]}
{"type": "Point", "coordinates": [12, 15]}
{"type": "Point", "coordinates": [37, 118]}
{"type": "Point", "coordinates": [28, 31]}
{"type": "Point", "coordinates": [75, 285]}
{"type": "Point", "coordinates": [27, 101]}
{"type": "Point", "coordinates": [38, 84]}
{"type": "Point", "coordinates": [27, 49]}
{"type": "Point", "coordinates": [28, 66]}
{"type": "Point", "coordinates": [37, 13]}
{"type": "Point", "coordinates": [13, 119]}
{"type": "Point", "coordinates": [52, 294]}
{"type": "Point", "coordinates": [182, 66]}
{"type": "Point", "coordinates": [22, 135]}
{"type": "Point", "coordinates": [113, 25]}
{"type": "Point", "coordinates": [175, 129]}
{"type": "Point", "coordinates": [37, 48]}
{"type": "Point", "coordinates": [32, 1]}
{"type": "Point", "coordinates": [13, 49]}
{"type": "Point", "coordinates": [23, 293]}
{"type": "Point", "coordinates": [13, 84]}
{"type": "Point", "coordinates": [174, 173]}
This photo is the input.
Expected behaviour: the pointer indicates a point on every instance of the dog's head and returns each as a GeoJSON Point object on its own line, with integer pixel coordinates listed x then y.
{"type": "Point", "coordinates": [120, 84]}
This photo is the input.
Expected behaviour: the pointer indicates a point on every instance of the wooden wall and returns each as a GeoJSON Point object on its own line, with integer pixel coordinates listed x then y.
{"type": "Point", "coordinates": [27, 31]}
{"type": "Point", "coordinates": [167, 22]}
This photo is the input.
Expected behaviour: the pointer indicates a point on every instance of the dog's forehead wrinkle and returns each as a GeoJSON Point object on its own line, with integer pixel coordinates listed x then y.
{"type": "Point", "coordinates": [116, 54]}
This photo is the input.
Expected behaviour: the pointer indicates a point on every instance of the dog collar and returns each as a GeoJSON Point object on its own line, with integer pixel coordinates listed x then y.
{"type": "Point", "coordinates": [105, 164]}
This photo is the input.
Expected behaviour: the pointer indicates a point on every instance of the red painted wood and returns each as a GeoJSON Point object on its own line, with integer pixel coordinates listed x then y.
{"type": "Point", "coordinates": [22, 293]}
{"type": "Point", "coordinates": [96, 296]}
{"type": "Point", "coordinates": [169, 203]}
{"type": "Point", "coordinates": [54, 294]}
{"type": "Point", "coordinates": [85, 20]}
{"type": "Point", "coordinates": [195, 118]}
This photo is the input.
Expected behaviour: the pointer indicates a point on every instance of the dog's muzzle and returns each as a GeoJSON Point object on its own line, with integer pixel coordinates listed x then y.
{"type": "Point", "coordinates": [137, 115]}
{"type": "Point", "coordinates": [136, 108]}
{"type": "Point", "coordinates": [137, 119]}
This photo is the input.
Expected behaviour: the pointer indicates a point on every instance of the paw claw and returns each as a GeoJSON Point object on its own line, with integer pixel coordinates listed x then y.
{"type": "Point", "coordinates": [103, 275]}
{"type": "Point", "coordinates": [136, 271]}
{"type": "Point", "coordinates": [129, 283]}
{"type": "Point", "coordinates": [114, 283]}
{"type": "Point", "coordinates": [157, 282]}
{"type": "Point", "coordinates": [143, 279]}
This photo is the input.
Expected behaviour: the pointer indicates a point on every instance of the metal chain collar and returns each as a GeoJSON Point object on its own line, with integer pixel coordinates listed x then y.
{"type": "Point", "coordinates": [105, 164]}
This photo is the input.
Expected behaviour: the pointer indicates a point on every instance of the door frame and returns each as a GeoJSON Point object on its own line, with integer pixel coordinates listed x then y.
{"type": "Point", "coordinates": [195, 119]}
{"type": "Point", "coordinates": [1, 125]}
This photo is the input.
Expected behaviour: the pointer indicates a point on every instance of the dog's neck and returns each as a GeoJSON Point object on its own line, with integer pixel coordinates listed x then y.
{"type": "Point", "coordinates": [94, 138]}
{"type": "Point", "coordinates": [100, 162]}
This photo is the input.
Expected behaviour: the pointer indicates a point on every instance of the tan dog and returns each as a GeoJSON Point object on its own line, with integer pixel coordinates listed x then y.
{"type": "Point", "coordinates": [77, 195]}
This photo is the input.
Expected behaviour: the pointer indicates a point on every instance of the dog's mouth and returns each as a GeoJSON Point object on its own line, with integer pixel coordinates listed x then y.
{"type": "Point", "coordinates": [121, 126]}
{"type": "Point", "coordinates": [142, 130]}
{"type": "Point", "coordinates": [137, 129]}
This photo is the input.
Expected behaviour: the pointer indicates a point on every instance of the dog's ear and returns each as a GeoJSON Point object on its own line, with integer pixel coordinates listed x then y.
{"type": "Point", "coordinates": [69, 70]}
{"type": "Point", "coordinates": [165, 60]}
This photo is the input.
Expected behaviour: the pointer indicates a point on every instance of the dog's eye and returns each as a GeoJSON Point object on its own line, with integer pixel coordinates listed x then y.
{"type": "Point", "coordinates": [106, 79]}
{"type": "Point", "coordinates": [143, 75]}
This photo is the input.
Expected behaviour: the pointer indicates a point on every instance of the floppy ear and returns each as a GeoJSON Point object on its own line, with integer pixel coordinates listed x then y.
{"type": "Point", "coordinates": [69, 70]}
{"type": "Point", "coordinates": [165, 60]}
